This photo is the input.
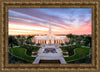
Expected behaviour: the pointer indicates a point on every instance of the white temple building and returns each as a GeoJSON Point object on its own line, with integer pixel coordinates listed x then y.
{"type": "Point", "coordinates": [50, 38]}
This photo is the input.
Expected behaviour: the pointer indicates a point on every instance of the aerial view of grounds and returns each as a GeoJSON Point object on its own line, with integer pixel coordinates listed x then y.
{"type": "Point", "coordinates": [49, 35]}
{"type": "Point", "coordinates": [23, 50]}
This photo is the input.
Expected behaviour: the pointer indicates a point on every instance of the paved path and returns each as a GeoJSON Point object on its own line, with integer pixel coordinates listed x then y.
{"type": "Point", "coordinates": [50, 56]}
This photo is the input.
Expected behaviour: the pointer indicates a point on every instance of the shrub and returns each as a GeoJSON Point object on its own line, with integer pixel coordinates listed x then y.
{"type": "Point", "coordinates": [62, 44]}
{"type": "Point", "coordinates": [38, 44]}
{"type": "Point", "coordinates": [32, 43]}
{"type": "Point", "coordinates": [67, 43]}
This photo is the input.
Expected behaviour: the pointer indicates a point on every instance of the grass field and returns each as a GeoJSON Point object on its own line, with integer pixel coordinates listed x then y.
{"type": "Point", "coordinates": [20, 52]}
{"type": "Point", "coordinates": [79, 53]}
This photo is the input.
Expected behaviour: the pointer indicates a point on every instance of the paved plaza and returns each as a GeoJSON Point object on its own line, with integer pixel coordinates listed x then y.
{"type": "Point", "coordinates": [53, 53]}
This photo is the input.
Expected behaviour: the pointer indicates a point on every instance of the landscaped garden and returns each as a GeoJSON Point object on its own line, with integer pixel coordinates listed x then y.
{"type": "Point", "coordinates": [68, 49]}
{"type": "Point", "coordinates": [78, 48]}
{"type": "Point", "coordinates": [21, 53]}
{"type": "Point", "coordinates": [30, 49]}
{"type": "Point", "coordinates": [79, 53]}
{"type": "Point", "coordinates": [16, 60]}
{"type": "Point", "coordinates": [21, 49]}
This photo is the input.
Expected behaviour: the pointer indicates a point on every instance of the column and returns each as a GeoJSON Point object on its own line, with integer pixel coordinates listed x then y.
{"type": "Point", "coordinates": [63, 41]}
{"type": "Point", "coordinates": [38, 41]}
{"type": "Point", "coordinates": [45, 41]}
{"type": "Point", "coordinates": [56, 41]}
{"type": "Point", "coordinates": [60, 41]}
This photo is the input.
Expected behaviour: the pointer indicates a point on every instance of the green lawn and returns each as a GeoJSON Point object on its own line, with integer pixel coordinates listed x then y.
{"type": "Point", "coordinates": [20, 52]}
{"type": "Point", "coordinates": [79, 53]}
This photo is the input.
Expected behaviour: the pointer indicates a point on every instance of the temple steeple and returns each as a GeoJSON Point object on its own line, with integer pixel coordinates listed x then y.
{"type": "Point", "coordinates": [49, 25]}
{"type": "Point", "coordinates": [49, 33]}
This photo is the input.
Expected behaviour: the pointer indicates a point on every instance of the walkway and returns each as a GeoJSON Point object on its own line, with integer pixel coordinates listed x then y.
{"type": "Point", "coordinates": [50, 56]}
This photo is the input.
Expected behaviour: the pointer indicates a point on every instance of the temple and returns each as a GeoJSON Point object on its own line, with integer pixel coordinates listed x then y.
{"type": "Point", "coordinates": [50, 38]}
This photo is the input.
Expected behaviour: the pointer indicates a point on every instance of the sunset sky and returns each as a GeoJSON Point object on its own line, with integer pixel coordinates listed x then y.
{"type": "Point", "coordinates": [30, 21]}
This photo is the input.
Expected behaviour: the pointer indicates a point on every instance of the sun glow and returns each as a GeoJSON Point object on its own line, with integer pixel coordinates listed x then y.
{"type": "Point", "coordinates": [36, 21]}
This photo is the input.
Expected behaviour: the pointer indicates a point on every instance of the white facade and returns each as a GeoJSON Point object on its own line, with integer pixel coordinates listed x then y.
{"type": "Point", "coordinates": [54, 40]}
{"type": "Point", "coordinates": [50, 38]}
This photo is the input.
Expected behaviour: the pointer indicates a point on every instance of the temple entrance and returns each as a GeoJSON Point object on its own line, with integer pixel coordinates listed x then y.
{"type": "Point", "coordinates": [49, 41]}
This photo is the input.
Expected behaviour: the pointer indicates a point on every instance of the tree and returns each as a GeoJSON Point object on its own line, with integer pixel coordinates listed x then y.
{"type": "Point", "coordinates": [70, 50]}
{"type": "Point", "coordinates": [29, 37]}
{"type": "Point", "coordinates": [78, 40]}
{"type": "Point", "coordinates": [72, 41]}
{"type": "Point", "coordinates": [82, 36]}
{"type": "Point", "coordinates": [70, 36]}
{"type": "Point", "coordinates": [21, 40]}
{"type": "Point", "coordinates": [32, 43]}
{"type": "Point", "coordinates": [88, 40]}
{"type": "Point", "coordinates": [29, 40]}
{"type": "Point", "coordinates": [12, 41]}
{"type": "Point", "coordinates": [38, 44]}
{"type": "Point", "coordinates": [18, 36]}
{"type": "Point", "coordinates": [66, 43]}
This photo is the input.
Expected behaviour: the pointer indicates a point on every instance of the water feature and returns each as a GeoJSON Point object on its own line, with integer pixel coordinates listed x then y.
{"type": "Point", "coordinates": [49, 50]}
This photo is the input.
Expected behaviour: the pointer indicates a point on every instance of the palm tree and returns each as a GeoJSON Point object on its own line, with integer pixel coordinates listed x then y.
{"type": "Point", "coordinates": [30, 37]}
{"type": "Point", "coordinates": [12, 41]}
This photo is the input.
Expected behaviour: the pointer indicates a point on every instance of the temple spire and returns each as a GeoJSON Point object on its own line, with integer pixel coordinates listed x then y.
{"type": "Point", "coordinates": [49, 33]}
{"type": "Point", "coordinates": [49, 24]}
